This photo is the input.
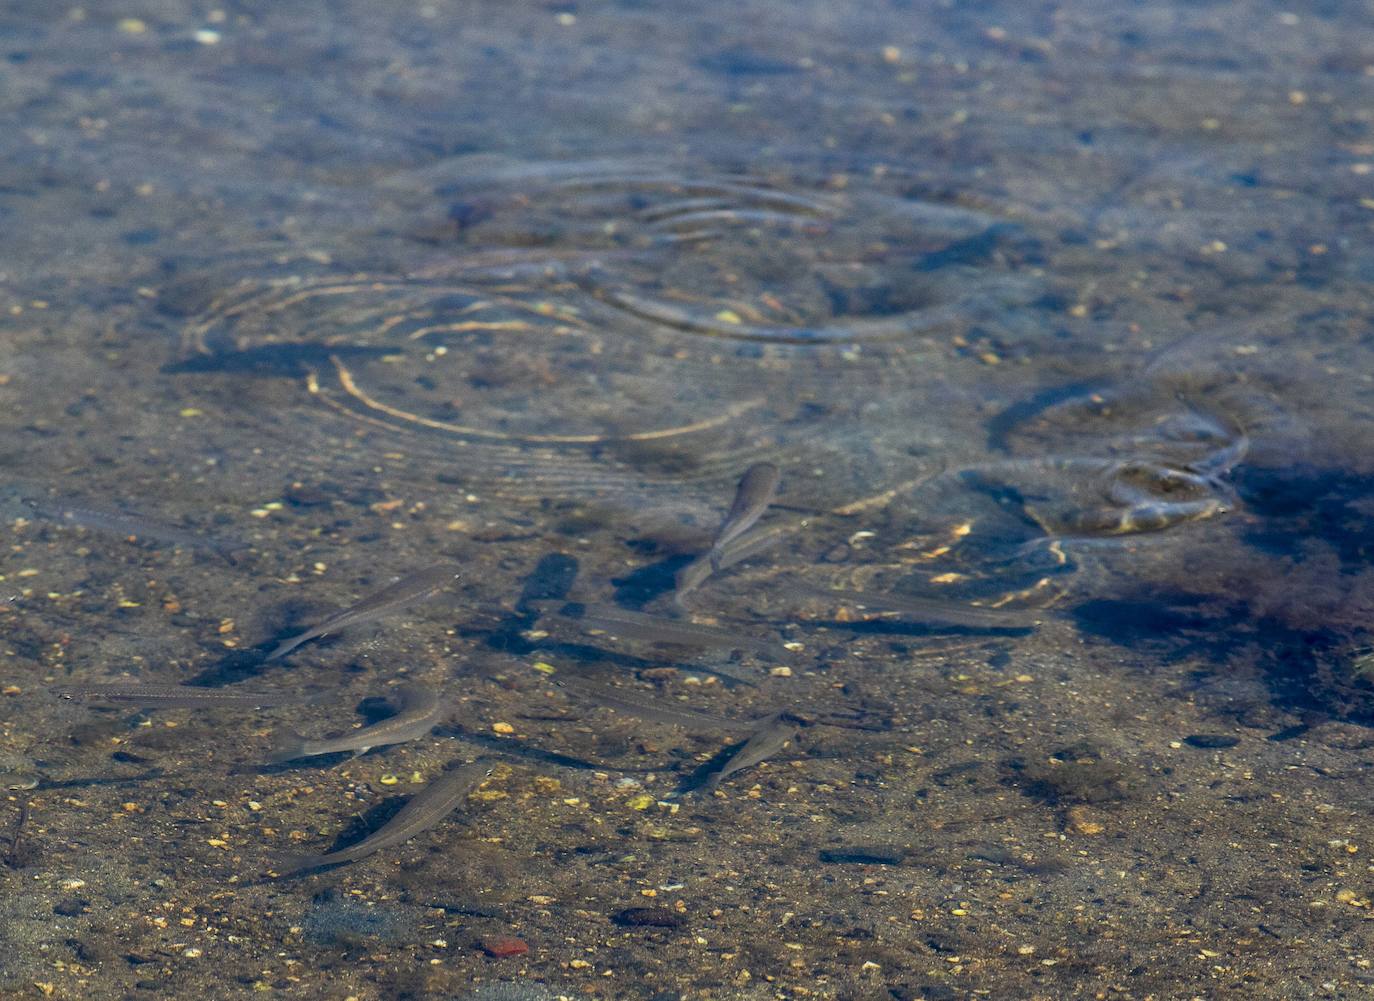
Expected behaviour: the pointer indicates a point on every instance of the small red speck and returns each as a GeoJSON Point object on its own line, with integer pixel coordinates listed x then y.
{"type": "Point", "coordinates": [502, 947]}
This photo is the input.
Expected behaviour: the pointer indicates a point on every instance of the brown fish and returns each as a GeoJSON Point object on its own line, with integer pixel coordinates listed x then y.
{"type": "Point", "coordinates": [941, 610]}
{"type": "Point", "coordinates": [425, 809]}
{"type": "Point", "coordinates": [409, 590]}
{"type": "Point", "coordinates": [128, 525]}
{"type": "Point", "coordinates": [755, 492]}
{"type": "Point", "coordinates": [631, 625]}
{"type": "Point", "coordinates": [773, 735]}
{"type": "Point", "coordinates": [418, 707]}
{"type": "Point", "coordinates": [653, 710]}
{"type": "Point", "coordinates": [152, 695]}
{"type": "Point", "coordinates": [743, 547]}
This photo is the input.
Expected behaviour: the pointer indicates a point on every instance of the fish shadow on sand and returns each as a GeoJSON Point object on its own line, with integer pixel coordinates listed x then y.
{"type": "Point", "coordinates": [281, 361]}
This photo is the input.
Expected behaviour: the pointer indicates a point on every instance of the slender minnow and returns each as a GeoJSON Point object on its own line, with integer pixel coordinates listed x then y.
{"type": "Point", "coordinates": [126, 524]}
{"type": "Point", "coordinates": [652, 710]}
{"type": "Point", "coordinates": [425, 809]}
{"type": "Point", "coordinates": [417, 710]}
{"type": "Point", "coordinates": [416, 587]}
{"type": "Point", "coordinates": [696, 573]}
{"type": "Point", "coordinates": [935, 609]}
{"type": "Point", "coordinates": [153, 695]}
{"type": "Point", "coordinates": [770, 737]}
{"type": "Point", "coordinates": [633, 625]}
{"type": "Point", "coordinates": [755, 492]}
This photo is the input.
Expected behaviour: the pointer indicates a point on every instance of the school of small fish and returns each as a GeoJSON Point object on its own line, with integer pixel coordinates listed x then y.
{"type": "Point", "coordinates": [418, 709]}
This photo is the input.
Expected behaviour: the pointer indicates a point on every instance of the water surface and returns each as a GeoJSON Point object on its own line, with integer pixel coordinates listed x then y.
{"type": "Point", "coordinates": [1050, 307]}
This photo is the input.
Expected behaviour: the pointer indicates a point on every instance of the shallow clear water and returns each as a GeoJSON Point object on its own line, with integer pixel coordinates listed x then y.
{"type": "Point", "coordinates": [1053, 309]}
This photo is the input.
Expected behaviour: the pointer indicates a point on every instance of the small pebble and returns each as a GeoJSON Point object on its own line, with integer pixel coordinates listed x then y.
{"type": "Point", "coordinates": [1080, 821]}
{"type": "Point", "coordinates": [503, 946]}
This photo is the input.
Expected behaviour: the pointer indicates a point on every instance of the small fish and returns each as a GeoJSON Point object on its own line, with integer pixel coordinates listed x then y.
{"type": "Point", "coordinates": [744, 547]}
{"type": "Point", "coordinates": [417, 709]}
{"type": "Point", "coordinates": [650, 709]}
{"type": "Point", "coordinates": [425, 809]}
{"type": "Point", "coordinates": [409, 590]}
{"type": "Point", "coordinates": [939, 610]}
{"type": "Point", "coordinates": [152, 695]}
{"type": "Point", "coordinates": [19, 780]}
{"type": "Point", "coordinates": [631, 625]}
{"type": "Point", "coordinates": [772, 735]}
{"type": "Point", "coordinates": [128, 525]}
{"type": "Point", "coordinates": [755, 492]}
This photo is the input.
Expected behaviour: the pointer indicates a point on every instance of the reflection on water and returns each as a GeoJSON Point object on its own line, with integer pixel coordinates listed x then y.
{"type": "Point", "coordinates": [1050, 653]}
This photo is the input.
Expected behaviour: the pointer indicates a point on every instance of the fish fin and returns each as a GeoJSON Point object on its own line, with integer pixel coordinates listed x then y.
{"type": "Point", "coordinates": [282, 650]}
{"type": "Point", "coordinates": [287, 745]}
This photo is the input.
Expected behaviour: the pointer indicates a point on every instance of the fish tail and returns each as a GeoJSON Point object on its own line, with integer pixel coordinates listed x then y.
{"type": "Point", "coordinates": [287, 645]}
{"type": "Point", "coordinates": [289, 864]}
{"type": "Point", "coordinates": [287, 745]}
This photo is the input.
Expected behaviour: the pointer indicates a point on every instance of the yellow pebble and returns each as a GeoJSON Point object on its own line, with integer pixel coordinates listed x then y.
{"type": "Point", "coordinates": [641, 802]}
{"type": "Point", "coordinates": [503, 728]}
{"type": "Point", "coordinates": [388, 780]}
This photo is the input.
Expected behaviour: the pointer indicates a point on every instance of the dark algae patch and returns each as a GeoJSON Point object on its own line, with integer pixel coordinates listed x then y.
{"type": "Point", "coordinates": [907, 464]}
